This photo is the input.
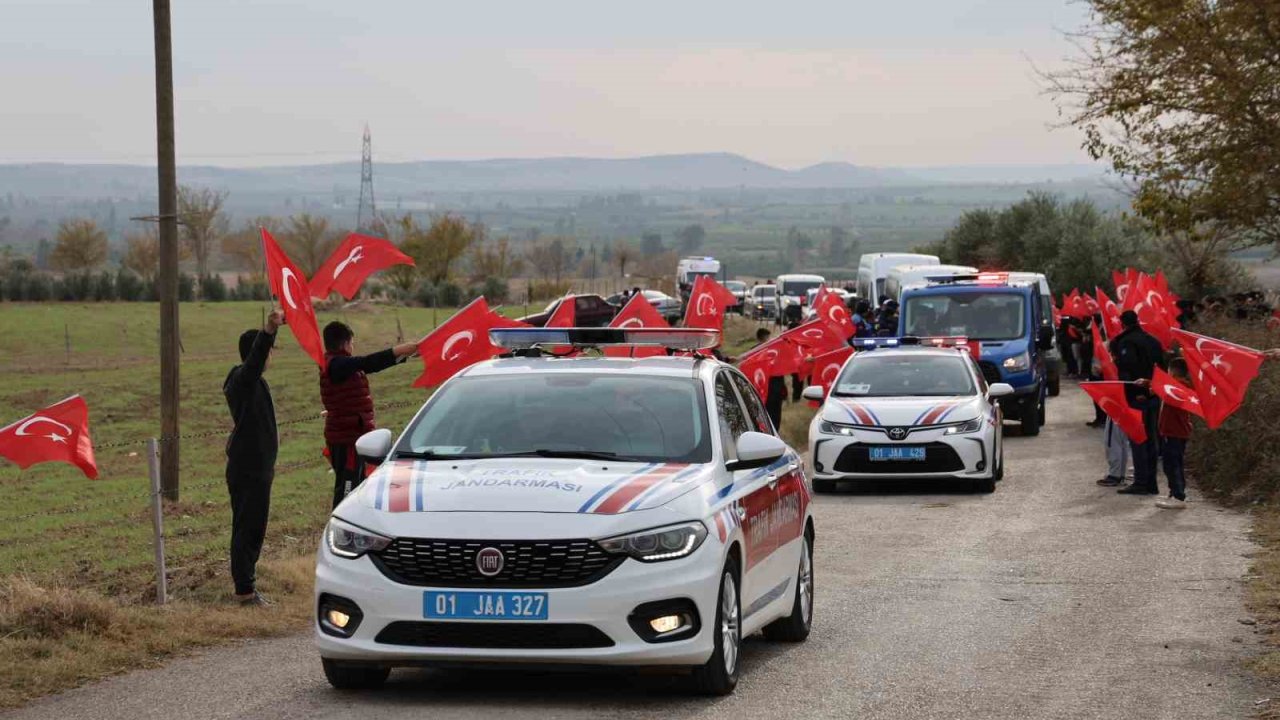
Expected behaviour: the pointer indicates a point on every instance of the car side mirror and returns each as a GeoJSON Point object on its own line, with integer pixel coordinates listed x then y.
{"type": "Point", "coordinates": [374, 445]}
{"type": "Point", "coordinates": [814, 393]}
{"type": "Point", "coordinates": [999, 390]}
{"type": "Point", "coordinates": [1044, 340]}
{"type": "Point", "coordinates": [756, 450]}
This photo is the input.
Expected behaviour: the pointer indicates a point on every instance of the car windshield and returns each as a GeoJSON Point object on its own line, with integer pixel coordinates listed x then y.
{"type": "Point", "coordinates": [624, 417]}
{"type": "Point", "coordinates": [764, 291]}
{"type": "Point", "coordinates": [898, 375]}
{"type": "Point", "coordinates": [735, 285]}
{"type": "Point", "coordinates": [655, 295]}
{"type": "Point", "coordinates": [980, 316]}
{"type": "Point", "coordinates": [798, 288]}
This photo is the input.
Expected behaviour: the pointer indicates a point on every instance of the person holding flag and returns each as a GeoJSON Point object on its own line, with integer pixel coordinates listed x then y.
{"type": "Point", "coordinates": [1175, 429]}
{"type": "Point", "coordinates": [1136, 355]}
{"type": "Point", "coordinates": [348, 404]}
{"type": "Point", "coordinates": [251, 455]}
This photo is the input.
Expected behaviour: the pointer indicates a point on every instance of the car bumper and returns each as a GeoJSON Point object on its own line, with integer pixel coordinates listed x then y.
{"type": "Point", "coordinates": [604, 604]}
{"type": "Point", "coordinates": [839, 457]}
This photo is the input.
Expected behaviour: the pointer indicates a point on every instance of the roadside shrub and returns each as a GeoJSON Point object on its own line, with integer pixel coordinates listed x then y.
{"type": "Point", "coordinates": [38, 287]}
{"type": "Point", "coordinates": [129, 287]}
{"type": "Point", "coordinates": [248, 288]}
{"type": "Point", "coordinates": [494, 289]}
{"type": "Point", "coordinates": [213, 288]}
{"type": "Point", "coordinates": [151, 291]}
{"type": "Point", "coordinates": [449, 294]}
{"type": "Point", "coordinates": [424, 293]}
{"type": "Point", "coordinates": [1238, 461]}
{"type": "Point", "coordinates": [104, 287]}
{"type": "Point", "coordinates": [75, 287]}
{"type": "Point", "coordinates": [33, 611]}
{"type": "Point", "coordinates": [186, 288]}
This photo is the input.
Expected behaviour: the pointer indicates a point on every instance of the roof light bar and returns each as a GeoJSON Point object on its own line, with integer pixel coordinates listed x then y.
{"type": "Point", "coordinates": [674, 338]}
{"type": "Point", "coordinates": [982, 278]}
{"type": "Point", "coordinates": [873, 343]}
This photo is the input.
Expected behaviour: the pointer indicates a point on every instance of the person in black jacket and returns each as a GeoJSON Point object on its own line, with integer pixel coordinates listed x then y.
{"type": "Point", "coordinates": [1137, 354]}
{"type": "Point", "coordinates": [251, 455]}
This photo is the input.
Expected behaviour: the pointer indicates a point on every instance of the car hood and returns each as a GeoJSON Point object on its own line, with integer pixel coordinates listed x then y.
{"type": "Point", "coordinates": [526, 485]}
{"type": "Point", "coordinates": [900, 411]}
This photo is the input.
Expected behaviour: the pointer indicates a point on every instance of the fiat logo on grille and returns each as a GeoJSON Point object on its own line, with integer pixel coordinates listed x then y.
{"type": "Point", "coordinates": [489, 561]}
{"type": "Point", "coordinates": [897, 433]}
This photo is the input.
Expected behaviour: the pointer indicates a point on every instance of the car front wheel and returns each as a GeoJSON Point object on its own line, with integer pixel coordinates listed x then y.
{"type": "Point", "coordinates": [719, 676]}
{"type": "Point", "coordinates": [795, 627]}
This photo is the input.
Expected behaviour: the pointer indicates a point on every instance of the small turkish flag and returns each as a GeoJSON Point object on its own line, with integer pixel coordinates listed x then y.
{"type": "Point", "coordinates": [1238, 365]}
{"type": "Point", "coordinates": [830, 308]}
{"type": "Point", "coordinates": [637, 313]}
{"type": "Point", "coordinates": [780, 356]}
{"type": "Point", "coordinates": [1110, 397]}
{"type": "Point", "coordinates": [58, 433]}
{"type": "Point", "coordinates": [827, 366]}
{"type": "Point", "coordinates": [1175, 393]}
{"type": "Point", "coordinates": [816, 335]}
{"type": "Point", "coordinates": [1220, 396]}
{"type": "Point", "coordinates": [707, 303]}
{"type": "Point", "coordinates": [1100, 351]}
{"type": "Point", "coordinates": [757, 370]}
{"type": "Point", "coordinates": [565, 314]}
{"type": "Point", "coordinates": [460, 342]}
{"type": "Point", "coordinates": [289, 286]}
{"type": "Point", "coordinates": [358, 257]}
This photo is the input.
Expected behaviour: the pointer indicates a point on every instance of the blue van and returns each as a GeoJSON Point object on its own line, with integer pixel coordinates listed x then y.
{"type": "Point", "coordinates": [1004, 317]}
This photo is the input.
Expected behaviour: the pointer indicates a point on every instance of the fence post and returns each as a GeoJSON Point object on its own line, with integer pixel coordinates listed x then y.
{"type": "Point", "coordinates": [157, 520]}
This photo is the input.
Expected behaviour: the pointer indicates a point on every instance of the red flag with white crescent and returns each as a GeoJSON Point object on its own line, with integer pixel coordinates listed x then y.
{"type": "Point", "coordinates": [58, 433]}
{"type": "Point", "coordinates": [1176, 394]}
{"type": "Point", "coordinates": [1238, 365]}
{"type": "Point", "coordinates": [707, 303]}
{"type": "Point", "coordinates": [830, 308]}
{"type": "Point", "coordinates": [460, 342]}
{"type": "Point", "coordinates": [1103, 355]}
{"type": "Point", "coordinates": [827, 366]}
{"type": "Point", "coordinates": [289, 286]}
{"type": "Point", "coordinates": [1110, 313]}
{"type": "Point", "coordinates": [757, 370]}
{"type": "Point", "coordinates": [1110, 397]}
{"type": "Point", "coordinates": [637, 313]}
{"type": "Point", "coordinates": [358, 257]}
{"type": "Point", "coordinates": [817, 336]}
{"type": "Point", "coordinates": [780, 356]}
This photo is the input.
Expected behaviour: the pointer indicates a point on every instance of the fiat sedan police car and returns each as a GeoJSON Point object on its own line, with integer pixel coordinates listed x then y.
{"type": "Point", "coordinates": [544, 510]}
{"type": "Point", "coordinates": [902, 409]}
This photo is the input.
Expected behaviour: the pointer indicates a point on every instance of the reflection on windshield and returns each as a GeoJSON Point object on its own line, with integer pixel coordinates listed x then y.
{"type": "Point", "coordinates": [899, 375]}
{"type": "Point", "coordinates": [994, 316]}
{"type": "Point", "coordinates": [648, 419]}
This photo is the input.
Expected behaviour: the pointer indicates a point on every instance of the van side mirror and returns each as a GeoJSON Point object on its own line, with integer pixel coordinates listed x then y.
{"type": "Point", "coordinates": [814, 393]}
{"type": "Point", "coordinates": [374, 445]}
{"type": "Point", "coordinates": [756, 450]}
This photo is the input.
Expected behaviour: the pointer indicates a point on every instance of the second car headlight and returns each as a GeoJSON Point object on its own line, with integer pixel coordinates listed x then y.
{"type": "Point", "coordinates": [658, 544]}
{"type": "Point", "coordinates": [829, 428]}
{"type": "Point", "coordinates": [970, 426]}
{"type": "Point", "coordinates": [1017, 362]}
{"type": "Point", "coordinates": [348, 541]}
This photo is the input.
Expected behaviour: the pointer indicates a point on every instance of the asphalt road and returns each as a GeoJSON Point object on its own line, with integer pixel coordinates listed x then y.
{"type": "Point", "coordinates": [1052, 598]}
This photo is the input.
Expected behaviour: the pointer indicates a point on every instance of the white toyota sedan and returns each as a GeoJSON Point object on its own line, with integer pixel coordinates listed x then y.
{"type": "Point", "coordinates": [899, 411]}
{"type": "Point", "coordinates": [543, 510]}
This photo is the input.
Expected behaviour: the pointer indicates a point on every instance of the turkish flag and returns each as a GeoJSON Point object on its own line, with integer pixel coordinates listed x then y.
{"type": "Point", "coordinates": [289, 286]}
{"type": "Point", "coordinates": [757, 370]}
{"type": "Point", "coordinates": [1175, 393]}
{"type": "Point", "coordinates": [1110, 397]}
{"type": "Point", "coordinates": [1110, 313]}
{"type": "Point", "coordinates": [707, 303]}
{"type": "Point", "coordinates": [817, 336]}
{"type": "Point", "coordinates": [827, 366]}
{"type": "Point", "coordinates": [1238, 365]}
{"type": "Point", "coordinates": [780, 355]}
{"type": "Point", "coordinates": [1100, 351]}
{"type": "Point", "coordinates": [637, 313]}
{"type": "Point", "coordinates": [565, 314]}
{"type": "Point", "coordinates": [462, 341]}
{"type": "Point", "coordinates": [58, 433]}
{"type": "Point", "coordinates": [358, 257]}
{"type": "Point", "coordinates": [1127, 290]}
{"type": "Point", "coordinates": [830, 308]}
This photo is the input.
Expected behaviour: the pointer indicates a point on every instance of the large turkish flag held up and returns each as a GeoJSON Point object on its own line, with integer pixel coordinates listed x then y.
{"type": "Point", "coordinates": [637, 313]}
{"type": "Point", "coordinates": [1219, 396]}
{"type": "Point", "coordinates": [460, 342]}
{"type": "Point", "coordinates": [1110, 397]}
{"type": "Point", "coordinates": [289, 286]}
{"type": "Point", "coordinates": [827, 366]}
{"type": "Point", "coordinates": [358, 257]}
{"type": "Point", "coordinates": [830, 308]}
{"type": "Point", "coordinates": [817, 336]}
{"type": "Point", "coordinates": [707, 303]}
{"type": "Point", "coordinates": [1236, 364]}
{"type": "Point", "coordinates": [565, 314]}
{"type": "Point", "coordinates": [1176, 394]}
{"type": "Point", "coordinates": [58, 433]}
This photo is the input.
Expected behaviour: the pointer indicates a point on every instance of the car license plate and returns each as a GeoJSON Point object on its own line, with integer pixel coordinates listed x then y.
{"type": "Point", "coordinates": [484, 605]}
{"type": "Point", "coordinates": [897, 453]}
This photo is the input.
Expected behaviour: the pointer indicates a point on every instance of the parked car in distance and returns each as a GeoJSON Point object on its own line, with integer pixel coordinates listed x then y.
{"type": "Point", "coordinates": [589, 311]}
{"type": "Point", "coordinates": [764, 302]}
{"type": "Point", "coordinates": [670, 308]}
{"type": "Point", "coordinates": [740, 291]}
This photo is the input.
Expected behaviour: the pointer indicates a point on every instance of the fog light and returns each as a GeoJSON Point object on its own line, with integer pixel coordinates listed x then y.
{"type": "Point", "coordinates": [338, 616]}
{"type": "Point", "coordinates": [665, 624]}
{"type": "Point", "coordinates": [339, 619]}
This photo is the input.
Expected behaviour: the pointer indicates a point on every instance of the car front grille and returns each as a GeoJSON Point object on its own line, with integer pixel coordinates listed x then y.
{"type": "Point", "coordinates": [526, 564]}
{"type": "Point", "coordinates": [938, 458]}
{"type": "Point", "coordinates": [990, 372]}
{"type": "Point", "coordinates": [496, 635]}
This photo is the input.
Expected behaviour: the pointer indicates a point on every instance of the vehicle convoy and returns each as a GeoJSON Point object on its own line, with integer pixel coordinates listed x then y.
{"type": "Point", "coordinates": [905, 276]}
{"type": "Point", "coordinates": [793, 293]}
{"type": "Point", "coordinates": [740, 291]}
{"type": "Point", "coordinates": [1053, 356]}
{"type": "Point", "coordinates": [909, 409]}
{"type": "Point", "coordinates": [668, 307]}
{"type": "Point", "coordinates": [597, 511]}
{"type": "Point", "coordinates": [1003, 317]}
{"type": "Point", "coordinates": [763, 302]}
{"type": "Point", "coordinates": [689, 268]}
{"type": "Point", "coordinates": [873, 269]}
{"type": "Point", "coordinates": [589, 311]}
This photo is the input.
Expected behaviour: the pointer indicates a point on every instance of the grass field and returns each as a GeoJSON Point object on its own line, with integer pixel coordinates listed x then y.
{"type": "Point", "coordinates": [76, 572]}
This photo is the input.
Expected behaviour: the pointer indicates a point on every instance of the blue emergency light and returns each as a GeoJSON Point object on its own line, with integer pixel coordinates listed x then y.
{"type": "Point", "coordinates": [671, 338]}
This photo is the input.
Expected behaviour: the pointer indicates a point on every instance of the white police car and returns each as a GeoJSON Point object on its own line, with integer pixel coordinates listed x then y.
{"type": "Point", "coordinates": [578, 511]}
{"type": "Point", "coordinates": [908, 408]}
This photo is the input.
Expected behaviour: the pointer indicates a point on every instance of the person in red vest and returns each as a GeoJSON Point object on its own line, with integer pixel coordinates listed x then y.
{"type": "Point", "coordinates": [344, 390]}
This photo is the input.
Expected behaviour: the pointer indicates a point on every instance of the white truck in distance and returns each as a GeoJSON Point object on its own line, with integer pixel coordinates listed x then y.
{"type": "Point", "coordinates": [688, 270]}
{"type": "Point", "coordinates": [873, 268]}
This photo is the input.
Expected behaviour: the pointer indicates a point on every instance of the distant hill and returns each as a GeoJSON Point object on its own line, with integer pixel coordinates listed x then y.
{"type": "Point", "coordinates": [674, 172]}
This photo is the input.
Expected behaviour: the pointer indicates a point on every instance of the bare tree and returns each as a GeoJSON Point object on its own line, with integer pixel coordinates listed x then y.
{"type": "Point", "coordinates": [80, 245]}
{"type": "Point", "coordinates": [498, 260]}
{"type": "Point", "coordinates": [623, 254]}
{"type": "Point", "coordinates": [142, 253]}
{"type": "Point", "coordinates": [309, 241]}
{"type": "Point", "coordinates": [244, 246]}
{"type": "Point", "coordinates": [203, 222]}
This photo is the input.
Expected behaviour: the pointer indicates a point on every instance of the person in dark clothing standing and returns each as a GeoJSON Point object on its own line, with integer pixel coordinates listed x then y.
{"type": "Point", "coordinates": [348, 405]}
{"type": "Point", "coordinates": [1137, 354]}
{"type": "Point", "coordinates": [251, 455]}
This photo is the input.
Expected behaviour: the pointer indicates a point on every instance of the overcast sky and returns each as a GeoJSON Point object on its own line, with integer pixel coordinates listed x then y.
{"type": "Point", "coordinates": [788, 82]}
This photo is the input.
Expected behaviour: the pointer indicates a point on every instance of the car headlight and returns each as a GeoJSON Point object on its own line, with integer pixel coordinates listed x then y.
{"type": "Point", "coordinates": [658, 544]}
{"type": "Point", "coordinates": [971, 426]}
{"type": "Point", "coordinates": [348, 541]}
{"type": "Point", "coordinates": [1018, 362]}
{"type": "Point", "coordinates": [830, 428]}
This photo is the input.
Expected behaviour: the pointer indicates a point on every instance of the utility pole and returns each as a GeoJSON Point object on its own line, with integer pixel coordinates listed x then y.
{"type": "Point", "coordinates": [167, 280]}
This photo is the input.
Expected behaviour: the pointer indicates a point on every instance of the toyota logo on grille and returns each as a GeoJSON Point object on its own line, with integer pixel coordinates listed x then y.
{"type": "Point", "coordinates": [897, 433]}
{"type": "Point", "coordinates": [489, 561]}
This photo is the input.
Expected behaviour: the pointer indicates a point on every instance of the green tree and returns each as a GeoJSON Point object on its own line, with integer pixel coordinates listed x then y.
{"type": "Point", "coordinates": [244, 245]}
{"type": "Point", "coordinates": [80, 245]}
{"type": "Point", "coordinates": [437, 248]}
{"type": "Point", "coordinates": [142, 254]}
{"type": "Point", "coordinates": [309, 241]}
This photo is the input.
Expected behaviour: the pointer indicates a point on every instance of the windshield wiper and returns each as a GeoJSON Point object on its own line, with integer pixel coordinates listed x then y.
{"type": "Point", "coordinates": [433, 455]}
{"type": "Point", "coordinates": [581, 454]}
{"type": "Point", "coordinates": [540, 452]}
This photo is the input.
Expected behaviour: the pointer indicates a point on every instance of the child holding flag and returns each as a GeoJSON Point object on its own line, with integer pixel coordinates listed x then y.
{"type": "Point", "coordinates": [1175, 431]}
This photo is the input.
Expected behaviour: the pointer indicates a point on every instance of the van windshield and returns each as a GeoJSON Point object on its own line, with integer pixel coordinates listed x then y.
{"type": "Point", "coordinates": [798, 288]}
{"type": "Point", "coordinates": [979, 316]}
